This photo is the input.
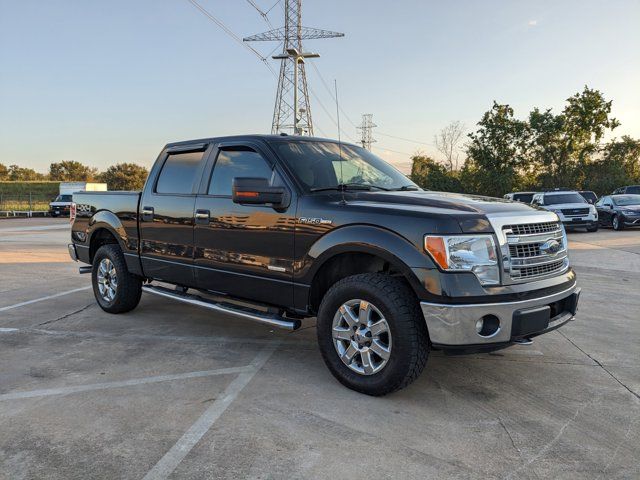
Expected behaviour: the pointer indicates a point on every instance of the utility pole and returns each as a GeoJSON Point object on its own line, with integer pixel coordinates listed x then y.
{"type": "Point", "coordinates": [366, 131]}
{"type": "Point", "coordinates": [292, 110]}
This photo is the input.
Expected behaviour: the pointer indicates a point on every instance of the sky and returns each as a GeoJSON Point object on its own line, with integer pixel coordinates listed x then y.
{"type": "Point", "coordinates": [103, 82]}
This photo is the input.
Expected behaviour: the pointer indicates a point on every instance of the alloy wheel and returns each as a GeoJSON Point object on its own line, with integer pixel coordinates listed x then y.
{"type": "Point", "coordinates": [107, 280]}
{"type": "Point", "coordinates": [361, 337]}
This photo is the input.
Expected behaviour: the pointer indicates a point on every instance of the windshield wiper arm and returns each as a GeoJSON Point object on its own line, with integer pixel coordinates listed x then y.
{"type": "Point", "coordinates": [342, 187]}
{"type": "Point", "coordinates": [406, 188]}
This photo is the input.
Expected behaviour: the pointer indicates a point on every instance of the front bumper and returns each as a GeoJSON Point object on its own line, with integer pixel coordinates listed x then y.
{"type": "Point", "coordinates": [454, 326]}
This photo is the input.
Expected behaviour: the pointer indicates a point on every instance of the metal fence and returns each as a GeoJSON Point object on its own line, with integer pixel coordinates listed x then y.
{"type": "Point", "coordinates": [26, 204]}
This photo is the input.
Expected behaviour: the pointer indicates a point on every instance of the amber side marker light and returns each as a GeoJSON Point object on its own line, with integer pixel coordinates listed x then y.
{"type": "Point", "coordinates": [247, 194]}
{"type": "Point", "coordinates": [435, 247]}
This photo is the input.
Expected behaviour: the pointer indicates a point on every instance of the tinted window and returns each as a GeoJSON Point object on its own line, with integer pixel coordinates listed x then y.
{"type": "Point", "coordinates": [237, 163]}
{"type": "Point", "coordinates": [634, 189]}
{"type": "Point", "coordinates": [326, 164]}
{"type": "Point", "coordinates": [63, 198]}
{"type": "Point", "coordinates": [179, 172]}
{"type": "Point", "coordinates": [523, 197]}
{"type": "Point", "coordinates": [589, 196]}
{"type": "Point", "coordinates": [555, 198]}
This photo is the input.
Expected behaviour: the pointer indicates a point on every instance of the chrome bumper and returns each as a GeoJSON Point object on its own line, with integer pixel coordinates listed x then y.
{"type": "Point", "coordinates": [455, 325]}
{"type": "Point", "coordinates": [72, 252]}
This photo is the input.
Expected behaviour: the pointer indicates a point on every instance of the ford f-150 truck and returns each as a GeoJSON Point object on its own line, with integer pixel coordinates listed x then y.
{"type": "Point", "coordinates": [277, 229]}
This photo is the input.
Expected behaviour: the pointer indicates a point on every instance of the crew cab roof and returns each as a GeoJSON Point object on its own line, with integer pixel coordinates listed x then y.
{"type": "Point", "coordinates": [255, 137]}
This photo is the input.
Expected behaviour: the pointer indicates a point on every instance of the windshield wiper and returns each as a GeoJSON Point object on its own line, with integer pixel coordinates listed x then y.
{"type": "Point", "coordinates": [342, 187]}
{"type": "Point", "coordinates": [406, 188]}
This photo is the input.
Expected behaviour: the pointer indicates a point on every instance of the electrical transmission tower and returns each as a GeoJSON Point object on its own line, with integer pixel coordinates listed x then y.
{"type": "Point", "coordinates": [366, 130]}
{"type": "Point", "coordinates": [292, 109]}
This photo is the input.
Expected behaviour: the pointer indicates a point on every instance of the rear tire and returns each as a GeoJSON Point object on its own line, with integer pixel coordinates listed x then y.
{"type": "Point", "coordinates": [116, 290]}
{"type": "Point", "coordinates": [403, 340]}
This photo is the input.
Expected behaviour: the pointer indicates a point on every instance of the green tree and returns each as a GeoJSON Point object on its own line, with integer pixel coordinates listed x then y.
{"type": "Point", "coordinates": [496, 155]}
{"type": "Point", "coordinates": [71, 171]}
{"type": "Point", "coordinates": [4, 172]}
{"type": "Point", "coordinates": [20, 174]}
{"type": "Point", "coordinates": [431, 175]}
{"type": "Point", "coordinates": [124, 176]}
{"type": "Point", "coordinates": [562, 146]}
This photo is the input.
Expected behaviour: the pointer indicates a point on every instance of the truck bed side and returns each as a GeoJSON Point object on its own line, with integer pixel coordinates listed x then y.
{"type": "Point", "coordinates": [107, 217]}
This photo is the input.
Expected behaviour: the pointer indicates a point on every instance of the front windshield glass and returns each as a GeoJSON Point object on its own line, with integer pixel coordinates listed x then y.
{"type": "Point", "coordinates": [326, 165]}
{"type": "Point", "coordinates": [557, 198]}
{"type": "Point", "coordinates": [625, 200]}
{"type": "Point", "coordinates": [63, 198]}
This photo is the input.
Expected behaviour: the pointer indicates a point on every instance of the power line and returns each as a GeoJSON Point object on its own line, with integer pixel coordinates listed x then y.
{"type": "Point", "coordinates": [326, 86]}
{"type": "Point", "coordinates": [263, 14]}
{"type": "Point", "coordinates": [405, 139]}
{"type": "Point", "coordinates": [228, 31]}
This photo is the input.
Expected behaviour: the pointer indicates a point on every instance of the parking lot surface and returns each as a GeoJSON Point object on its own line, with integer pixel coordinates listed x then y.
{"type": "Point", "coordinates": [172, 391]}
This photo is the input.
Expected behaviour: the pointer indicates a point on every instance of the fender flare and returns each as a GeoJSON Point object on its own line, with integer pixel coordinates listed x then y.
{"type": "Point", "coordinates": [374, 240]}
{"type": "Point", "coordinates": [104, 219]}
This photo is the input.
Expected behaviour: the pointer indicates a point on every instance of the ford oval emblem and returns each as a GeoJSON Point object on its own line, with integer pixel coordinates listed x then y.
{"type": "Point", "coordinates": [550, 247]}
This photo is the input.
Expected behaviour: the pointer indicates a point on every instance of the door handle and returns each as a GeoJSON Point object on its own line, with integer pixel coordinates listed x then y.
{"type": "Point", "coordinates": [202, 217]}
{"type": "Point", "coordinates": [147, 214]}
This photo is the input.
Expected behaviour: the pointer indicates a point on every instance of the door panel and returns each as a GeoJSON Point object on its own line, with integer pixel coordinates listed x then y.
{"type": "Point", "coordinates": [167, 217]}
{"type": "Point", "coordinates": [245, 251]}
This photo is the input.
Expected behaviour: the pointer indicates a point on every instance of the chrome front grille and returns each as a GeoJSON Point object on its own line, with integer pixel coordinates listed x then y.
{"type": "Point", "coordinates": [524, 251]}
{"type": "Point", "coordinates": [534, 250]}
{"type": "Point", "coordinates": [575, 211]}
{"type": "Point", "coordinates": [532, 228]}
{"type": "Point", "coordinates": [539, 270]}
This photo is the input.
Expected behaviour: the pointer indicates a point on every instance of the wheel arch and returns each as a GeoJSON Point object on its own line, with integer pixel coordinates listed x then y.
{"type": "Point", "coordinates": [343, 253]}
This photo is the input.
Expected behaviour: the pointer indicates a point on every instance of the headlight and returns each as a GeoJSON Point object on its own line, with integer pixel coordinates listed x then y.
{"type": "Point", "coordinates": [629, 212]}
{"type": "Point", "coordinates": [466, 253]}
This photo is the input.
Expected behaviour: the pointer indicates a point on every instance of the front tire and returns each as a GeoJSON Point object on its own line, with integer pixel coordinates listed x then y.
{"type": "Point", "coordinates": [116, 290]}
{"type": "Point", "coordinates": [617, 222]}
{"type": "Point", "coordinates": [593, 228]}
{"type": "Point", "coordinates": [372, 335]}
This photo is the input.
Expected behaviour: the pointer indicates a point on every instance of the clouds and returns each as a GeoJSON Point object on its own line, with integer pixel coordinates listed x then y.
{"type": "Point", "coordinates": [532, 23]}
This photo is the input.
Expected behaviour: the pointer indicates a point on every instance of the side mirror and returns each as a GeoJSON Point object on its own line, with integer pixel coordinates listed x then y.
{"type": "Point", "coordinates": [257, 191]}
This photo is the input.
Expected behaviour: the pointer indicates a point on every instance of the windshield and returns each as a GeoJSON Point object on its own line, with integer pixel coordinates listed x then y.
{"type": "Point", "coordinates": [625, 200]}
{"type": "Point", "coordinates": [63, 198]}
{"type": "Point", "coordinates": [556, 198]}
{"type": "Point", "coordinates": [326, 165]}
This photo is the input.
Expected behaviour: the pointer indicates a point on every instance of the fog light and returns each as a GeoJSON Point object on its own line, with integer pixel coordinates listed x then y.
{"type": "Point", "coordinates": [488, 326]}
{"type": "Point", "coordinates": [479, 325]}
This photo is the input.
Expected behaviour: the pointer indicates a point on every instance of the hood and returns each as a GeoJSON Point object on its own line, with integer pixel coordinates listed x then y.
{"type": "Point", "coordinates": [634, 208]}
{"type": "Point", "coordinates": [439, 201]}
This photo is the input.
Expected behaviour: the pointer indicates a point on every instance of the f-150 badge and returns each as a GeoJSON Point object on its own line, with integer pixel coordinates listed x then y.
{"type": "Point", "coordinates": [314, 221]}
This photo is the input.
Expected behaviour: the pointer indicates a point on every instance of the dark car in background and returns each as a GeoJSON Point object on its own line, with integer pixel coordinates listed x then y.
{"type": "Point", "coordinates": [631, 189]}
{"type": "Point", "coordinates": [524, 197]}
{"type": "Point", "coordinates": [589, 196]}
{"type": "Point", "coordinates": [619, 211]}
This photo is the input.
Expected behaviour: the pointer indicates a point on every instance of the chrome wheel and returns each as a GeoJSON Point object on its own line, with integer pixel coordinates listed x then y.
{"type": "Point", "coordinates": [361, 337]}
{"type": "Point", "coordinates": [107, 280]}
{"type": "Point", "coordinates": [616, 222]}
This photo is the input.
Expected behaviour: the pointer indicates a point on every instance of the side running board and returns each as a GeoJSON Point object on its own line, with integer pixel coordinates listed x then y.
{"type": "Point", "coordinates": [250, 314]}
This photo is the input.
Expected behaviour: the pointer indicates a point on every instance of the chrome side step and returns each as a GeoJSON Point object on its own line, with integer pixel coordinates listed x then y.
{"type": "Point", "coordinates": [250, 314]}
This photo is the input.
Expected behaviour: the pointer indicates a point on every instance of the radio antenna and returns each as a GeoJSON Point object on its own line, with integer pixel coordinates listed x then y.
{"type": "Point", "coordinates": [342, 187]}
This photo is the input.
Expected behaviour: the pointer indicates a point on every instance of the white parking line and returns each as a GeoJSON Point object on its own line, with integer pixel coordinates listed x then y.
{"type": "Point", "coordinates": [42, 299]}
{"type": "Point", "coordinates": [124, 383]}
{"type": "Point", "coordinates": [167, 464]}
{"type": "Point", "coordinates": [8, 330]}
{"type": "Point", "coordinates": [35, 228]}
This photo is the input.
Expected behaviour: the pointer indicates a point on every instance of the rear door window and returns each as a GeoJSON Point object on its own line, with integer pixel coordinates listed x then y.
{"type": "Point", "coordinates": [179, 173]}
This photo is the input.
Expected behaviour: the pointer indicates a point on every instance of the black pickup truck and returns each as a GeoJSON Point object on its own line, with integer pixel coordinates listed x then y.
{"type": "Point", "coordinates": [281, 228]}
